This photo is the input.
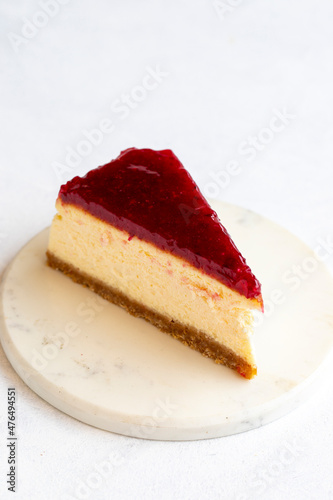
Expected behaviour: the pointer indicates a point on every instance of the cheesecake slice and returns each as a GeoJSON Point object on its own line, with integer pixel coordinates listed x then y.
{"type": "Point", "coordinates": [138, 232]}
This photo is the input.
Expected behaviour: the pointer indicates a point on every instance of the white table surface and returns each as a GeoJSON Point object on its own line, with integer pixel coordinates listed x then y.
{"type": "Point", "coordinates": [226, 70]}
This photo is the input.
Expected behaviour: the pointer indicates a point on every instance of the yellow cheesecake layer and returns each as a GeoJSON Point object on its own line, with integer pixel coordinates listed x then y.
{"type": "Point", "coordinates": [160, 281]}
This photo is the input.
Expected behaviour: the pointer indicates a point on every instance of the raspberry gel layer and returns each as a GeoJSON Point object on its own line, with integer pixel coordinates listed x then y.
{"type": "Point", "coordinates": [150, 195]}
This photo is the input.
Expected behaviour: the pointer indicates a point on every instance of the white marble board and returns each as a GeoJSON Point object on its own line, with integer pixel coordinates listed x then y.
{"type": "Point", "coordinates": [95, 362]}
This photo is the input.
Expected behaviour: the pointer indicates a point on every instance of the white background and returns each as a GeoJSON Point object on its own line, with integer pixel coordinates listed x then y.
{"type": "Point", "coordinates": [227, 71]}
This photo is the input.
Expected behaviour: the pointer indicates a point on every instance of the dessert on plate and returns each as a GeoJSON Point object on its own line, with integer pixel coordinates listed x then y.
{"type": "Point", "coordinates": [139, 232]}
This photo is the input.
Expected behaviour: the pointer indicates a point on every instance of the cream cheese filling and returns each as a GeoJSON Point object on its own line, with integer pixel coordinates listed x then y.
{"type": "Point", "coordinates": [159, 280]}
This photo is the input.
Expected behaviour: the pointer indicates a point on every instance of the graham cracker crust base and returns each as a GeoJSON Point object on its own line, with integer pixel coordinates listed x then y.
{"type": "Point", "coordinates": [189, 336]}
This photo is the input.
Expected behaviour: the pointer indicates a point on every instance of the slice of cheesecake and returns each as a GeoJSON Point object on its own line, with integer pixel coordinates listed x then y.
{"type": "Point", "coordinates": [138, 232]}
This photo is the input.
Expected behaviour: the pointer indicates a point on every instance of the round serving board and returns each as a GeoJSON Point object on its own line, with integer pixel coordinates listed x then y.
{"type": "Point", "coordinates": [95, 362]}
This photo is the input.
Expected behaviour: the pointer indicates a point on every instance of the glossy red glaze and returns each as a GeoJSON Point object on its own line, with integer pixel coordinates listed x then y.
{"type": "Point", "coordinates": [150, 195]}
